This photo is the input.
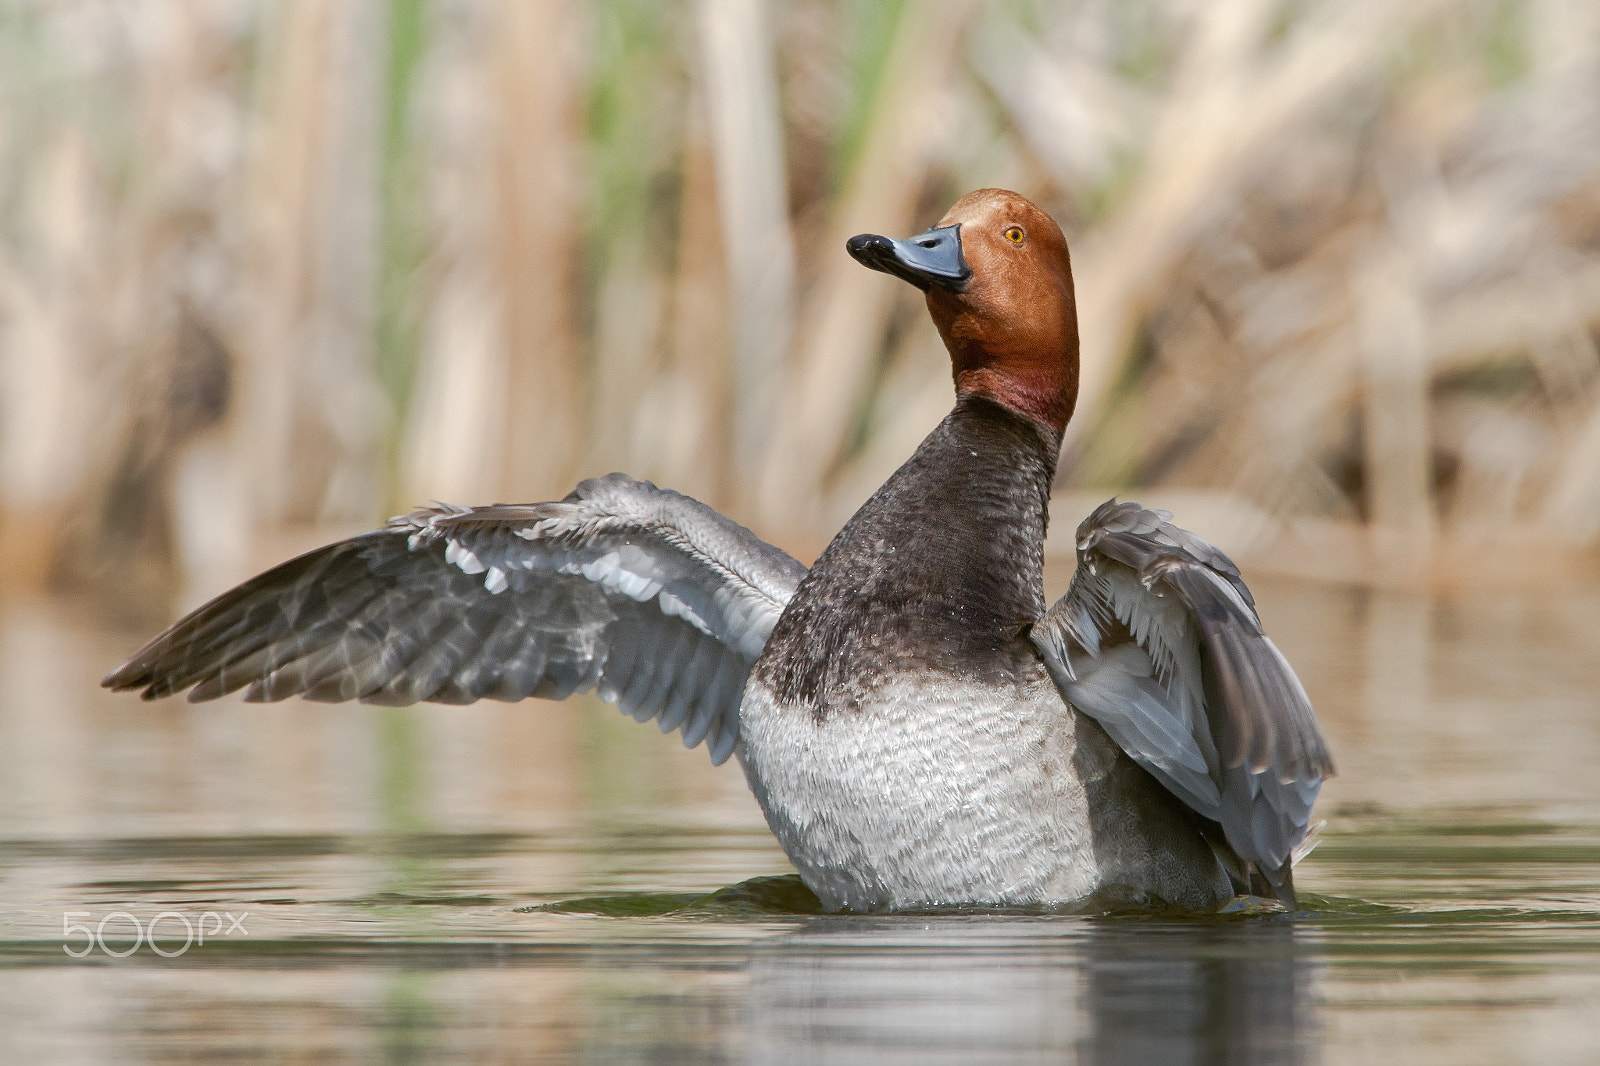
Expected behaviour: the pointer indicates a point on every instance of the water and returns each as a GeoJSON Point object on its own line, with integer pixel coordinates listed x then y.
{"type": "Point", "coordinates": [377, 885]}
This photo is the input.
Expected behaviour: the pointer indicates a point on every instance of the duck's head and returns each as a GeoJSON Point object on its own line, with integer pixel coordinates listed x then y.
{"type": "Point", "coordinates": [998, 281]}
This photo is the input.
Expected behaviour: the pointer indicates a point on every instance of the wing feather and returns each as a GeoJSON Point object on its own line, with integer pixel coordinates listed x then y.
{"type": "Point", "coordinates": [652, 598]}
{"type": "Point", "coordinates": [721, 711]}
{"type": "Point", "coordinates": [1158, 639]}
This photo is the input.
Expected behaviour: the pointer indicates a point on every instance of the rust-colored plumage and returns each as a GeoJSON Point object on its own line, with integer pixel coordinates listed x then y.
{"type": "Point", "coordinates": [1012, 331]}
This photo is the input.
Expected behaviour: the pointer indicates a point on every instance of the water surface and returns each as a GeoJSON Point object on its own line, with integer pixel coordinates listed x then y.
{"type": "Point", "coordinates": [381, 881]}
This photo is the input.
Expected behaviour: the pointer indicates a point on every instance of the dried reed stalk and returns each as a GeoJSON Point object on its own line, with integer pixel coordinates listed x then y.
{"type": "Point", "coordinates": [499, 406]}
{"type": "Point", "coordinates": [698, 454]}
{"type": "Point", "coordinates": [741, 95]}
{"type": "Point", "coordinates": [1393, 343]}
{"type": "Point", "coordinates": [536, 94]}
{"type": "Point", "coordinates": [311, 414]}
{"type": "Point", "coordinates": [833, 357]}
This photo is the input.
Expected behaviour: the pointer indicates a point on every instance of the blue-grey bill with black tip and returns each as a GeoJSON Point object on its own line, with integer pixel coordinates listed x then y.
{"type": "Point", "coordinates": [928, 259]}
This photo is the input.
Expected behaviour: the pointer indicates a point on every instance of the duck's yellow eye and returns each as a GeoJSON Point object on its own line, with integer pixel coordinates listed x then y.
{"type": "Point", "coordinates": [1014, 234]}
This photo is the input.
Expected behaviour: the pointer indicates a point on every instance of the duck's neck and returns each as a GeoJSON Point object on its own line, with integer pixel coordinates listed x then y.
{"type": "Point", "coordinates": [941, 570]}
{"type": "Point", "coordinates": [1045, 393]}
{"type": "Point", "coordinates": [962, 522]}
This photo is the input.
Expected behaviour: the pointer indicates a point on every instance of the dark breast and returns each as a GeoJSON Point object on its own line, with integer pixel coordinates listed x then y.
{"type": "Point", "coordinates": [939, 573]}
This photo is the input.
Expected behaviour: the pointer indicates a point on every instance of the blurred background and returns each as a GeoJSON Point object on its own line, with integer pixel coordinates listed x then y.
{"type": "Point", "coordinates": [270, 272]}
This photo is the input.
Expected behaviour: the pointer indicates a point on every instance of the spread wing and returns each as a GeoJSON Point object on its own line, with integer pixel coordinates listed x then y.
{"type": "Point", "coordinates": [1158, 640]}
{"type": "Point", "coordinates": [651, 597]}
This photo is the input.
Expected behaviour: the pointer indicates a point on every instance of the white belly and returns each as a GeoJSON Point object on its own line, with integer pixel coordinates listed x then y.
{"type": "Point", "coordinates": [932, 794]}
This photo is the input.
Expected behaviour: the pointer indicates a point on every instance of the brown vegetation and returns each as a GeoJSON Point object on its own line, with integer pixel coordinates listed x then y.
{"type": "Point", "coordinates": [267, 267]}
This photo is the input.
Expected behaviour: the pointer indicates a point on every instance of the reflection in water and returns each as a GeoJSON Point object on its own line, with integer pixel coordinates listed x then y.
{"type": "Point", "coordinates": [1243, 992]}
{"type": "Point", "coordinates": [973, 989]}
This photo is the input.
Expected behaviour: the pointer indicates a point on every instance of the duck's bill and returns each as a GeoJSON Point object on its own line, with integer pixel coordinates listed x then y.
{"type": "Point", "coordinates": [928, 259]}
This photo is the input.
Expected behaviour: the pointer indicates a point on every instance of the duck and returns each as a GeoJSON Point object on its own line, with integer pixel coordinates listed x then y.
{"type": "Point", "coordinates": [919, 728]}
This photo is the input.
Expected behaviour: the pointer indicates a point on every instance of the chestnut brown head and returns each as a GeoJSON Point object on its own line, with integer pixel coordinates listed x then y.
{"type": "Point", "coordinates": [998, 281]}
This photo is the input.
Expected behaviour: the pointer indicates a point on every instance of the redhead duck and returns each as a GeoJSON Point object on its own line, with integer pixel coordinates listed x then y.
{"type": "Point", "coordinates": [918, 728]}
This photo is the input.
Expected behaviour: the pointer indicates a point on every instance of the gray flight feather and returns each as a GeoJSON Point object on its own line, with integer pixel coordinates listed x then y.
{"type": "Point", "coordinates": [1158, 640]}
{"type": "Point", "coordinates": [650, 597]}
